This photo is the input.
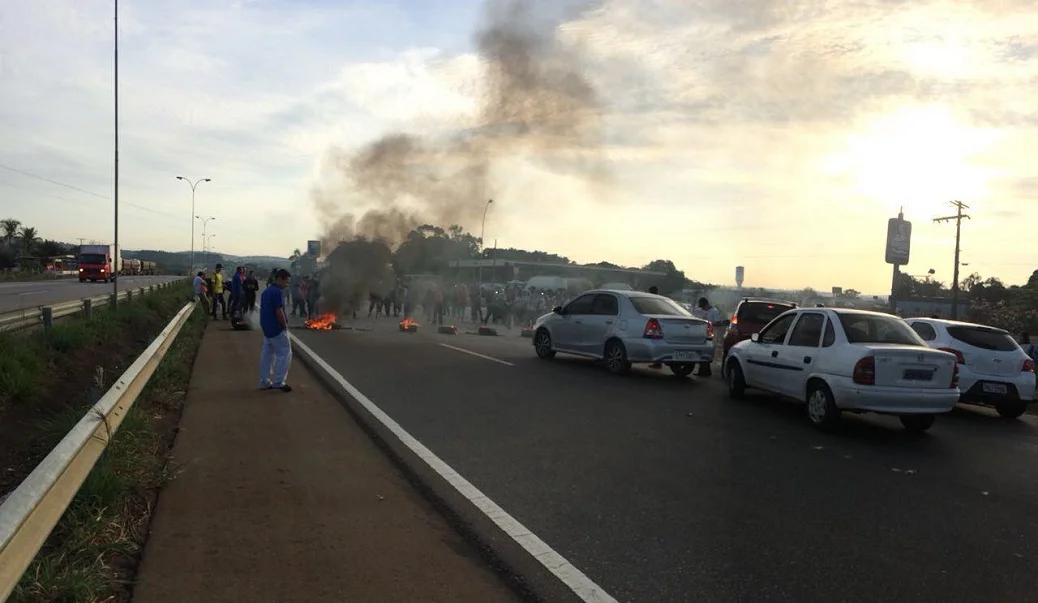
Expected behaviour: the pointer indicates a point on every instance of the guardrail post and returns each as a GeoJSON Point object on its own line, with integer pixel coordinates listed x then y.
{"type": "Point", "coordinates": [129, 295]}
{"type": "Point", "coordinates": [151, 289]}
{"type": "Point", "coordinates": [113, 300]}
{"type": "Point", "coordinates": [88, 308]}
{"type": "Point", "coordinates": [48, 317]}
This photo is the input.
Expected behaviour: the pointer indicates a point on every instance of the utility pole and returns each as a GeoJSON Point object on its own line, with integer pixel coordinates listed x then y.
{"type": "Point", "coordinates": [958, 217]}
{"type": "Point", "coordinates": [117, 259]}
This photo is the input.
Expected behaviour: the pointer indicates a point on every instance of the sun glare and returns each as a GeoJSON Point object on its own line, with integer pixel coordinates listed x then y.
{"type": "Point", "coordinates": [917, 158]}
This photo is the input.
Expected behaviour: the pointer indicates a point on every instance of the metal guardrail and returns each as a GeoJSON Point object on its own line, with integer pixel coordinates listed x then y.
{"type": "Point", "coordinates": [28, 515]}
{"type": "Point", "coordinates": [39, 315]}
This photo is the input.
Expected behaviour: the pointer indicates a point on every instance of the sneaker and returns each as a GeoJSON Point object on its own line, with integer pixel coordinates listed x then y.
{"type": "Point", "coordinates": [285, 388]}
{"type": "Point", "coordinates": [265, 386]}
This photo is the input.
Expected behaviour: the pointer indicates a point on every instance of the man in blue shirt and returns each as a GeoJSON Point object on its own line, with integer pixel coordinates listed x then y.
{"type": "Point", "coordinates": [277, 349]}
{"type": "Point", "coordinates": [237, 287]}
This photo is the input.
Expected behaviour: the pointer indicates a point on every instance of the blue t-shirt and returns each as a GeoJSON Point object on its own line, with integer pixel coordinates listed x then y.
{"type": "Point", "coordinates": [236, 283]}
{"type": "Point", "coordinates": [270, 301]}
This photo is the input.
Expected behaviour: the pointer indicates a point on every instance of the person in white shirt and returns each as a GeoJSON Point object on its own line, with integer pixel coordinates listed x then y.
{"type": "Point", "coordinates": [713, 316]}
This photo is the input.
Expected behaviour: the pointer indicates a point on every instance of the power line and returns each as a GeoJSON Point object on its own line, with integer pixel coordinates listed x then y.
{"type": "Point", "coordinates": [958, 218]}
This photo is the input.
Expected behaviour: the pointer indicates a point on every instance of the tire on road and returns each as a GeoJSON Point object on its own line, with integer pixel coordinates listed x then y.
{"type": "Point", "coordinates": [542, 344]}
{"type": "Point", "coordinates": [682, 369]}
{"type": "Point", "coordinates": [917, 423]}
{"type": "Point", "coordinates": [616, 357]}
{"type": "Point", "coordinates": [1011, 409]}
{"type": "Point", "coordinates": [734, 378]}
{"type": "Point", "coordinates": [822, 411]}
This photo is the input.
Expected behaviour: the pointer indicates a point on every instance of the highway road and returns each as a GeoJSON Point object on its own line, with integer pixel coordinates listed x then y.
{"type": "Point", "coordinates": [663, 490]}
{"type": "Point", "coordinates": [33, 294]}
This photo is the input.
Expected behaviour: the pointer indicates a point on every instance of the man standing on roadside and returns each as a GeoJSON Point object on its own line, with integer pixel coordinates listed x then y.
{"type": "Point", "coordinates": [218, 298]}
{"type": "Point", "coordinates": [200, 288]}
{"type": "Point", "coordinates": [710, 314]}
{"type": "Point", "coordinates": [277, 349]}
{"type": "Point", "coordinates": [251, 288]}
{"type": "Point", "coordinates": [655, 291]}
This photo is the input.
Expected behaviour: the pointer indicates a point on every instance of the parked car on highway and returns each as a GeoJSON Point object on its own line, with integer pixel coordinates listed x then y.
{"type": "Point", "coordinates": [838, 360]}
{"type": "Point", "coordinates": [623, 328]}
{"type": "Point", "coordinates": [993, 369]}
{"type": "Point", "coordinates": [749, 317]}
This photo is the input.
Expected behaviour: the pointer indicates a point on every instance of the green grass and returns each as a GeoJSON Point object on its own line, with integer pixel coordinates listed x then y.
{"type": "Point", "coordinates": [93, 551]}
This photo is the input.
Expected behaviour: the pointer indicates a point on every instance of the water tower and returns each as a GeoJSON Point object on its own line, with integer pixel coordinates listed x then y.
{"type": "Point", "coordinates": [740, 273]}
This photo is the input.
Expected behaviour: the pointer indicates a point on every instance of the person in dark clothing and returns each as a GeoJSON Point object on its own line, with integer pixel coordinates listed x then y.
{"type": "Point", "coordinates": [251, 288]}
{"type": "Point", "coordinates": [655, 291]}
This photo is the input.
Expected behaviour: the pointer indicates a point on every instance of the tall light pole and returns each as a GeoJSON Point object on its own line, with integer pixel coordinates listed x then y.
{"type": "Point", "coordinates": [207, 244]}
{"type": "Point", "coordinates": [115, 193]}
{"type": "Point", "coordinates": [205, 221]}
{"type": "Point", "coordinates": [193, 186]}
{"type": "Point", "coordinates": [479, 268]}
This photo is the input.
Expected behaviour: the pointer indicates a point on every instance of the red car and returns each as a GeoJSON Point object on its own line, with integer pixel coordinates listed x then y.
{"type": "Point", "coordinates": [750, 316]}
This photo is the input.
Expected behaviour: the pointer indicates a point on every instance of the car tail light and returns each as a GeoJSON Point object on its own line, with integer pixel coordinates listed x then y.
{"type": "Point", "coordinates": [709, 330]}
{"type": "Point", "coordinates": [958, 354]}
{"type": "Point", "coordinates": [955, 376]}
{"type": "Point", "coordinates": [1028, 366]}
{"type": "Point", "coordinates": [865, 371]}
{"type": "Point", "coordinates": [733, 326]}
{"type": "Point", "coordinates": [653, 330]}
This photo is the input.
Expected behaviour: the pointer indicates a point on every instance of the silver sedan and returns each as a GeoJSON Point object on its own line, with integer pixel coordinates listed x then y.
{"type": "Point", "coordinates": [622, 328]}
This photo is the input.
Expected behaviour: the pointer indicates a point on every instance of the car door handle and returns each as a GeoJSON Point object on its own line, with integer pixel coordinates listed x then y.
{"type": "Point", "coordinates": [577, 321]}
{"type": "Point", "coordinates": [609, 322]}
{"type": "Point", "coordinates": [807, 360]}
{"type": "Point", "coordinates": [774, 354]}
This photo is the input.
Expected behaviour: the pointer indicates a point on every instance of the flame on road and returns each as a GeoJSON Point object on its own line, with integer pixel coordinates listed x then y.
{"type": "Point", "coordinates": [322, 322]}
{"type": "Point", "coordinates": [408, 323]}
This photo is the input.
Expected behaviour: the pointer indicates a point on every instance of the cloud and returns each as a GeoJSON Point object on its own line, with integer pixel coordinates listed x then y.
{"type": "Point", "coordinates": [754, 132]}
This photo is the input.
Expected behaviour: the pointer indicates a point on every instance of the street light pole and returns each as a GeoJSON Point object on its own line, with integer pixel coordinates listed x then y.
{"type": "Point", "coordinates": [205, 221]}
{"type": "Point", "coordinates": [208, 243]}
{"type": "Point", "coordinates": [115, 194]}
{"type": "Point", "coordinates": [479, 268]}
{"type": "Point", "coordinates": [193, 186]}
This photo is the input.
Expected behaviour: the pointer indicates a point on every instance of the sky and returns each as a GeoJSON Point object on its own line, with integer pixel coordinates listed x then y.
{"type": "Point", "coordinates": [779, 135]}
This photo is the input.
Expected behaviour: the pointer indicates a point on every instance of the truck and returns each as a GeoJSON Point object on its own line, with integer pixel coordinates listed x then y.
{"type": "Point", "coordinates": [131, 267]}
{"type": "Point", "coordinates": [99, 263]}
{"type": "Point", "coordinates": [148, 268]}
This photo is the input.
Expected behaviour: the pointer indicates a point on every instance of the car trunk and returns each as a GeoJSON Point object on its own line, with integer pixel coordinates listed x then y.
{"type": "Point", "coordinates": [912, 366]}
{"type": "Point", "coordinates": [987, 351]}
{"type": "Point", "coordinates": [995, 364]}
{"type": "Point", "coordinates": [678, 329]}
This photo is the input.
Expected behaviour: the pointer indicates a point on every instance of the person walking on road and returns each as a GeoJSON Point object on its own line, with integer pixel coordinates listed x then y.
{"type": "Point", "coordinates": [655, 291]}
{"type": "Point", "coordinates": [277, 349]}
{"type": "Point", "coordinates": [712, 315]}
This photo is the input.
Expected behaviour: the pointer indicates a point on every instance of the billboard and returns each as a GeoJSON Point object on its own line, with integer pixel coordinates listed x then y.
{"type": "Point", "coordinates": [899, 241]}
{"type": "Point", "coordinates": [313, 248]}
{"type": "Point", "coordinates": [740, 273]}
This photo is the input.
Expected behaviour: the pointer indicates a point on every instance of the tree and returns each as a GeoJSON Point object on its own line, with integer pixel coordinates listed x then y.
{"type": "Point", "coordinates": [673, 281]}
{"type": "Point", "coordinates": [907, 286]}
{"type": "Point", "coordinates": [30, 237]}
{"type": "Point", "coordinates": [850, 294]}
{"type": "Point", "coordinates": [428, 249]}
{"type": "Point", "coordinates": [987, 290]}
{"type": "Point", "coordinates": [10, 227]}
{"type": "Point", "coordinates": [49, 248]}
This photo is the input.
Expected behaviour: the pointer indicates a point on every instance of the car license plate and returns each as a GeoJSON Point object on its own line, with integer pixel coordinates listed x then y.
{"type": "Point", "coordinates": [918, 375]}
{"type": "Point", "coordinates": [689, 356]}
{"type": "Point", "coordinates": [995, 388]}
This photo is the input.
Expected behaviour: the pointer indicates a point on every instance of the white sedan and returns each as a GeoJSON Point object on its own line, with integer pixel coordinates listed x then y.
{"type": "Point", "coordinates": [993, 368]}
{"type": "Point", "coordinates": [839, 360]}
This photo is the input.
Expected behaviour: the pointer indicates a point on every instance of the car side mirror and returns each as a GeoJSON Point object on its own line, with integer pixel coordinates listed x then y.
{"type": "Point", "coordinates": [557, 309]}
{"type": "Point", "coordinates": [755, 338]}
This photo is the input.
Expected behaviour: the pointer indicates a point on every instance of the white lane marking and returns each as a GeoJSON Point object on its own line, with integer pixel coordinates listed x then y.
{"type": "Point", "coordinates": [478, 355]}
{"type": "Point", "coordinates": [577, 581]}
{"type": "Point", "coordinates": [31, 292]}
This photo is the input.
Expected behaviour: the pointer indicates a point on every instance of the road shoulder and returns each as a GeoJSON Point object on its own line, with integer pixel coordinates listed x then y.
{"type": "Point", "coordinates": [283, 497]}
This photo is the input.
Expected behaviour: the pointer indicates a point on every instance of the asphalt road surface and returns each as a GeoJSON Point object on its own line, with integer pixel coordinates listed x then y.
{"type": "Point", "coordinates": [33, 294]}
{"type": "Point", "coordinates": [661, 489]}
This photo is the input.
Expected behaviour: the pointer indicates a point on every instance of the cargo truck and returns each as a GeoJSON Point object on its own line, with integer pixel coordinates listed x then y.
{"type": "Point", "coordinates": [147, 267]}
{"type": "Point", "coordinates": [99, 263]}
{"type": "Point", "coordinates": [131, 267]}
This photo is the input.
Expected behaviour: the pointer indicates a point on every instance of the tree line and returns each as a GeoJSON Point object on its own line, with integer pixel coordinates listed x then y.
{"type": "Point", "coordinates": [22, 241]}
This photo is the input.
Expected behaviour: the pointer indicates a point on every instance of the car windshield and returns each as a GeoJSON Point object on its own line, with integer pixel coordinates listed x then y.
{"type": "Point", "coordinates": [658, 305]}
{"type": "Point", "coordinates": [877, 328]}
{"type": "Point", "coordinates": [984, 338]}
{"type": "Point", "coordinates": [761, 313]}
{"type": "Point", "coordinates": [92, 258]}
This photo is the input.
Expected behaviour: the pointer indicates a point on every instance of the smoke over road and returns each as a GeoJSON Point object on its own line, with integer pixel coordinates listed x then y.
{"type": "Point", "coordinates": [536, 101]}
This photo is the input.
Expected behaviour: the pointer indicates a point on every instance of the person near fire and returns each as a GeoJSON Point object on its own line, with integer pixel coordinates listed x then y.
{"type": "Point", "coordinates": [237, 289]}
{"type": "Point", "coordinates": [655, 291]}
{"type": "Point", "coordinates": [201, 288]}
{"type": "Point", "coordinates": [218, 298]}
{"type": "Point", "coordinates": [276, 355]}
{"type": "Point", "coordinates": [251, 288]}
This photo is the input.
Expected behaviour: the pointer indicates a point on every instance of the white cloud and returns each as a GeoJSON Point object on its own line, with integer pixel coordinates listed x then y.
{"type": "Point", "coordinates": [751, 132]}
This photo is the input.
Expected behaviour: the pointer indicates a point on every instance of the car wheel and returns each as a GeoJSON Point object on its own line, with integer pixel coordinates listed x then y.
{"type": "Point", "coordinates": [542, 344]}
{"type": "Point", "coordinates": [821, 406]}
{"type": "Point", "coordinates": [1010, 409]}
{"type": "Point", "coordinates": [917, 423]}
{"type": "Point", "coordinates": [616, 358]}
{"type": "Point", "coordinates": [682, 369]}
{"type": "Point", "coordinates": [736, 381]}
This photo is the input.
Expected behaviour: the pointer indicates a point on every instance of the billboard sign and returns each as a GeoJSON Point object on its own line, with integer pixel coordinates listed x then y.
{"type": "Point", "coordinates": [899, 241]}
{"type": "Point", "coordinates": [313, 248]}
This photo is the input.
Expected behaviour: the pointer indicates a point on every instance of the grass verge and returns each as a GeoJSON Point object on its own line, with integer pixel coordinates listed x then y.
{"type": "Point", "coordinates": [48, 381]}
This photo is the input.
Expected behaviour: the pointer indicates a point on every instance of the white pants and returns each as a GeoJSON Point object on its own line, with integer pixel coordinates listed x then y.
{"type": "Point", "coordinates": [275, 359]}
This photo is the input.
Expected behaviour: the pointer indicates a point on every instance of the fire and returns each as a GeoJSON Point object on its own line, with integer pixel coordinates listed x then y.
{"type": "Point", "coordinates": [408, 323]}
{"type": "Point", "coordinates": [323, 322]}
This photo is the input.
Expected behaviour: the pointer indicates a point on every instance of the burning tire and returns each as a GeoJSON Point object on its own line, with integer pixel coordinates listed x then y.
{"type": "Point", "coordinates": [683, 369]}
{"type": "Point", "coordinates": [542, 344]}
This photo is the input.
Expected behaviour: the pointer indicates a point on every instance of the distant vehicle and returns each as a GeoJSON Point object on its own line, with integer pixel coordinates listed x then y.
{"type": "Point", "coordinates": [993, 369]}
{"type": "Point", "coordinates": [131, 267]}
{"type": "Point", "coordinates": [148, 268]}
{"type": "Point", "coordinates": [838, 360]}
{"type": "Point", "coordinates": [98, 263]}
{"type": "Point", "coordinates": [750, 316]}
{"type": "Point", "coordinates": [624, 328]}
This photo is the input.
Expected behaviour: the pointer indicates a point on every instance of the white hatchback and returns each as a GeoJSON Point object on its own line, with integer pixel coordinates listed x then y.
{"type": "Point", "coordinates": [839, 360]}
{"type": "Point", "coordinates": [993, 369]}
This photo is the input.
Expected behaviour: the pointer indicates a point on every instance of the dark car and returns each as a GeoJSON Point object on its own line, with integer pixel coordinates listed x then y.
{"type": "Point", "coordinates": [750, 317]}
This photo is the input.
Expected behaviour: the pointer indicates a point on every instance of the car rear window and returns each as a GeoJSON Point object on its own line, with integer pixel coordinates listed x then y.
{"type": "Point", "coordinates": [761, 312]}
{"type": "Point", "coordinates": [984, 338]}
{"type": "Point", "coordinates": [658, 305]}
{"type": "Point", "coordinates": [871, 328]}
